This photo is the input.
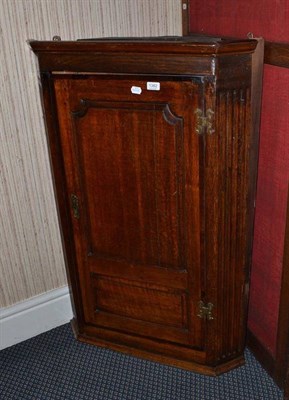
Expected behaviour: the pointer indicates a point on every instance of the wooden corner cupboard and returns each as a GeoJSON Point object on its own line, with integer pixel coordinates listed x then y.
{"type": "Point", "coordinates": [153, 146]}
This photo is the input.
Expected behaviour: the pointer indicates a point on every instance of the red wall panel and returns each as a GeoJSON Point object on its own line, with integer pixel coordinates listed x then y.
{"type": "Point", "coordinates": [267, 18]}
{"type": "Point", "coordinates": [270, 20]}
{"type": "Point", "coordinates": [273, 176]}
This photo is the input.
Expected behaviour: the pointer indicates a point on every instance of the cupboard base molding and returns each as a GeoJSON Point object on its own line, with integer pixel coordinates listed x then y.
{"type": "Point", "coordinates": [152, 356]}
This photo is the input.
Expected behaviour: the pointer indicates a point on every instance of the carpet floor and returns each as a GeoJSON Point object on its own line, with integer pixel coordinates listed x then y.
{"type": "Point", "coordinates": [54, 366]}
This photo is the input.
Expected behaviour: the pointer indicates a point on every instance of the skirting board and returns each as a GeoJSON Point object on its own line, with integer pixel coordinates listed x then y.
{"type": "Point", "coordinates": [36, 315]}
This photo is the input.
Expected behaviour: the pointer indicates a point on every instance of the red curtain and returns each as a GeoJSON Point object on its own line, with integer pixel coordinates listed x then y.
{"type": "Point", "coordinates": [269, 19]}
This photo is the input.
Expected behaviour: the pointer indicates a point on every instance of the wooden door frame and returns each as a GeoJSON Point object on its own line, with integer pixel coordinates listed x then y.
{"type": "Point", "coordinates": [277, 54]}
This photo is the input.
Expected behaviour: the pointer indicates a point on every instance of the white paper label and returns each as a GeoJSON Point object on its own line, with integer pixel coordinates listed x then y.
{"type": "Point", "coordinates": [136, 90]}
{"type": "Point", "coordinates": [153, 86]}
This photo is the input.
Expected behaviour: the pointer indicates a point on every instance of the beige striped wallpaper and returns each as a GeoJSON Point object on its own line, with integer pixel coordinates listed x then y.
{"type": "Point", "coordinates": [31, 259]}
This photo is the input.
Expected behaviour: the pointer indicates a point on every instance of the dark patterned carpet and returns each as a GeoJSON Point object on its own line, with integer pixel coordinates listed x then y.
{"type": "Point", "coordinates": [54, 366]}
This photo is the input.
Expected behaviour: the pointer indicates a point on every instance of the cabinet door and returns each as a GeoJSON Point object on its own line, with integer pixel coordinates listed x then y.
{"type": "Point", "coordinates": [131, 157]}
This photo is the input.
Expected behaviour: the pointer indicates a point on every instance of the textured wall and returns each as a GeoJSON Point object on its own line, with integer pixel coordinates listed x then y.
{"type": "Point", "coordinates": [31, 260]}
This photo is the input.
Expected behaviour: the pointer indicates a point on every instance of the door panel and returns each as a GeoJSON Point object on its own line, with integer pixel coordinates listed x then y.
{"type": "Point", "coordinates": [133, 163]}
{"type": "Point", "coordinates": [129, 220]}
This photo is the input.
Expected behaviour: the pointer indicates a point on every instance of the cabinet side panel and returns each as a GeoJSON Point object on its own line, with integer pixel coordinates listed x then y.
{"type": "Point", "coordinates": [227, 220]}
{"type": "Point", "coordinates": [234, 187]}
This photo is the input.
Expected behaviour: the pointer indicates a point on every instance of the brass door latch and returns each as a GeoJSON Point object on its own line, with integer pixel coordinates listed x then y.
{"type": "Point", "coordinates": [75, 205]}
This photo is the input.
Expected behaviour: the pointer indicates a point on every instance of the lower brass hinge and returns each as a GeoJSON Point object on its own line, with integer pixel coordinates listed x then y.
{"type": "Point", "coordinates": [205, 310]}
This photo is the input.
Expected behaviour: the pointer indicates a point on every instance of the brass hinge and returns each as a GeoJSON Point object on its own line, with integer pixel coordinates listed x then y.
{"type": "Point", "coordinates": [205, 310]}
{"type": "Point", "coordinates": [204, 122]}
{"type": "Point", "coordinates": [75, 205]}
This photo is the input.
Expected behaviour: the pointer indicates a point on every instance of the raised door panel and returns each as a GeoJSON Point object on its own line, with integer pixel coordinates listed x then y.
{"type": "Point", "coordinates": [132, 222]}
{"type": "Point", "coordinates": [132, 161]}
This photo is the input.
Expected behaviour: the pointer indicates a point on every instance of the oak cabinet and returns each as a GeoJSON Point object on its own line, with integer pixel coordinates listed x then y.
{"type": "Point", "coordinates": [153, 146]}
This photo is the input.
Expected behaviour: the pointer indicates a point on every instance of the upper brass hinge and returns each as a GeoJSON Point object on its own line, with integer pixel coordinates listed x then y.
{"type": "Point", "coordinates": [205, 310]}
{"type": "Point", "coordinates": [204, 121]}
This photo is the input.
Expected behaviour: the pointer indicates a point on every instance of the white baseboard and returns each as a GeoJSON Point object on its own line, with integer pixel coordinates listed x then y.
{"type": "Point", "coordinates": [36, 315]}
